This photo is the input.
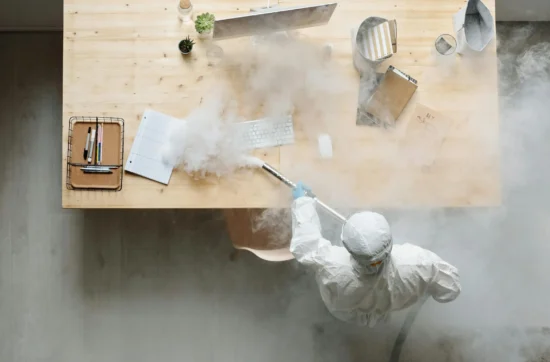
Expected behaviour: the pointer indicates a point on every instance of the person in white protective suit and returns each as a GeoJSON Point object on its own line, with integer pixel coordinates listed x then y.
{"type": "Point", "coordinates": [368, 278]}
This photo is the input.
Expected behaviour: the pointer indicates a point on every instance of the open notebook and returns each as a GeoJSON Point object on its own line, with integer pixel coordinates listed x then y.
{"type": "Point", "coordinates": [145, 157]}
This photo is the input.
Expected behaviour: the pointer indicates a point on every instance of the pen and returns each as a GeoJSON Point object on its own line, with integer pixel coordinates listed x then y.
{"type": "Point", "coordinates": [96, 170]}
{"type": "Point", "coordinates": [87, 143]}
{"type": "Point", "coordinates": [91, 151]}
{"type": "Point", "coordinates": [94, 155]}
{"type": "Point", "coordinates": [92, 167]}
{"type": "Point", "coordinates": [99, 144]}
{"type": "Point", "coordinates": [101, 150]}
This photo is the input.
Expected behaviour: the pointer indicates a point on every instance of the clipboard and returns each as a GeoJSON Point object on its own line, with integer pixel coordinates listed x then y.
{"type": "Point", "coordinates": [113, 154]}
{"type": "Point", "coordinates": [388, 100]}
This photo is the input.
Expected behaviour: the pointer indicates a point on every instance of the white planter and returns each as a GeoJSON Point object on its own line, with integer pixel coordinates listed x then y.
{"type": "Point", "coordinates": [205, 35]}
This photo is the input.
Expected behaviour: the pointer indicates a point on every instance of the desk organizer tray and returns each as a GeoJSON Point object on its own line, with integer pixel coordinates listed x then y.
{"type": "Point", "coordinates": [113, 154]}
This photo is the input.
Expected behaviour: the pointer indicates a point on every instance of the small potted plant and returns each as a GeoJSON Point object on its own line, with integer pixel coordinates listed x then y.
{"type": "Point", "coordinates": [186, 45]}
{"type": "Point", "coordinates": [204, 24]}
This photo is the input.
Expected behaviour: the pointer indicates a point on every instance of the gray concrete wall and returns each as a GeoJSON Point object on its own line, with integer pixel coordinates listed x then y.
{"type": "Point", "coordinates": [31, 14]}
{"type": "Point", "coordinates": [523, 10]}
{"type": "Point", "coordinates": [48, 14]}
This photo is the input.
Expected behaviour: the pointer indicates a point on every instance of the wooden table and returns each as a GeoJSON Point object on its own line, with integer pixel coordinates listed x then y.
{"type": "Point", "coordinates": [121, 57]}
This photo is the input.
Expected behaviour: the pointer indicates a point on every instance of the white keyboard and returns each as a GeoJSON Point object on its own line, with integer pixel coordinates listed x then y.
{"type": "Point", "coordinates": [265, 132]}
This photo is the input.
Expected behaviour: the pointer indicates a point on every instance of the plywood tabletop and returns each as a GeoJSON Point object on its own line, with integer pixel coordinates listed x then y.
{"type": "Point", "coordinates": [121, 57]}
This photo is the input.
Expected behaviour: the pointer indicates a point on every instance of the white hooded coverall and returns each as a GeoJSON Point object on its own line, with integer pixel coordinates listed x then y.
{"type": "Point", "coordinates": [354, 295]}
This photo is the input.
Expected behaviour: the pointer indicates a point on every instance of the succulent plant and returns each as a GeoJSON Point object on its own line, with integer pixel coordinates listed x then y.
{"type": "Point", "coordinates": [186, 45]}
{"type": "Point", "coordinates": [204, 22]}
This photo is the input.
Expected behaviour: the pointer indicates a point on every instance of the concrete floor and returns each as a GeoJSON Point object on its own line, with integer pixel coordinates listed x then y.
{"type": "Point", "coordinates": [162, 286]}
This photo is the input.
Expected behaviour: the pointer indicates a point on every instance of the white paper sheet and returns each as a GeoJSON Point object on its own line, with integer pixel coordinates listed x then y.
{"type": "Point", "coordinates": [425, 134]}
{"type": "Point", "coordinates": [145, 157]}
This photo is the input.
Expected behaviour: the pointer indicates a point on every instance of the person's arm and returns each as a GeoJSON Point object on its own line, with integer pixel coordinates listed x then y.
{"type": "Point", "coordinates": [307, 245]}
{"type": "Point", "coordinates": [445, 284]}
{"type": "Point", "coordinates": [425, 272]}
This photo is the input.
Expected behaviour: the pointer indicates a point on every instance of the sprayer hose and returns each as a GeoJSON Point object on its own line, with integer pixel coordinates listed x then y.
{"type": "Point", "coordinates": [404, 332]}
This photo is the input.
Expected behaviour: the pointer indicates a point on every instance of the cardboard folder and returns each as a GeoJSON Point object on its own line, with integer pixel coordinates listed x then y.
{"type": "Point", "coordinates": [388, 100]}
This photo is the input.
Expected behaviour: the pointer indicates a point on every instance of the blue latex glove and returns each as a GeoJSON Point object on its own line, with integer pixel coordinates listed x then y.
{"type": "Point", "coordinates": [300, 190]}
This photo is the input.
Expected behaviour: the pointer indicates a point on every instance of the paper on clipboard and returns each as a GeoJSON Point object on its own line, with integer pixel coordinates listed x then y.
{"type": "Point", "coordinates": [424, 136]}
{"type": "Point", "coordinates": [387, 101]}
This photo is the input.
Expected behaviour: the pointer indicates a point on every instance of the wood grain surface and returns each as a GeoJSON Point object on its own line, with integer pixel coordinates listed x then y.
{"type": "Point", "coordinates": [121, 57]}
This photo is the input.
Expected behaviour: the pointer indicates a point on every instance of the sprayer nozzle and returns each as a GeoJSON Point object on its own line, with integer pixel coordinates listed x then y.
{"type": "Point", "coordinates": [278, 175]}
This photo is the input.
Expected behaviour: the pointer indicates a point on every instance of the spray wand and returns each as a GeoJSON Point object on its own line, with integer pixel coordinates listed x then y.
{"type": "Point", "coordinates": [292, 185]}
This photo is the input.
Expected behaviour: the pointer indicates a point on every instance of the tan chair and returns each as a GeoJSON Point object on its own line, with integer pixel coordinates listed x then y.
{"type": "Point", "coordinates": [240, 224]}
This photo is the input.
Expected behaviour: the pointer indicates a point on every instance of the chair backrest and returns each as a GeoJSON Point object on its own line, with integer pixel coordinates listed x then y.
{"type": "Point", "coordinates": [271, 255]}
{"type": "Point", "coordinates": [243, 236]}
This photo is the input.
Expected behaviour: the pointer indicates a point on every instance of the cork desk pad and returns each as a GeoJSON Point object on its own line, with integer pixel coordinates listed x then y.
{"type": "Point", "coordinates": [111, 156]}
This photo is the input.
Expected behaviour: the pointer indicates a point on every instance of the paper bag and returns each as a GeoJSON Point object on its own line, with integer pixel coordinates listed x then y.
{"type": "Point", "coordinates": [474, 26]}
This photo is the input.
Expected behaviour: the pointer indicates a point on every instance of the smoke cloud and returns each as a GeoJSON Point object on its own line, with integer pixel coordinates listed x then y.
{"type": "Point", "coordinates": [206, 143]}
{"type": "Point", "coordinates": [270, 78]}
{"type": "Point", "coordinates": [502, 253]}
